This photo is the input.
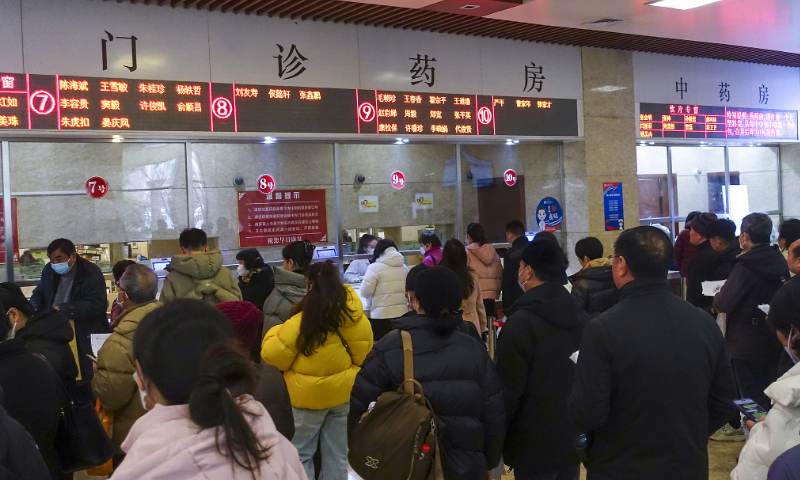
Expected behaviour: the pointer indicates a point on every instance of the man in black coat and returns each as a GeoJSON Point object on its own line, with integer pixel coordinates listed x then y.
{"type": "Point", "coordinates": [455, 371]}
{"type": "Point", "coordinates": [515, 234]}
{"type": "Point", "coordinates": [594, 285]}
{"type": "Point", "coordinates": [19, 456]}
{"type": "Point", "coordinates": [755, 277]}
{"type": "Point", "coordinates": [653, 379]}
{"type": "Point", "coordinates": [543, 329]}
{"type": "Point", "coordinates": [704, 263]}
{"type": "Point", "coordinates": [32, 396]}
{"type": "Point", "coordinates": [76, 288]}
{"type": "Point", "coordinates": [722, 237]}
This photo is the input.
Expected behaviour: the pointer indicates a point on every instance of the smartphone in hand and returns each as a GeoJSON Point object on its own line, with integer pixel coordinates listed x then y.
{"type": "Point", "coordinates": [750, 409]}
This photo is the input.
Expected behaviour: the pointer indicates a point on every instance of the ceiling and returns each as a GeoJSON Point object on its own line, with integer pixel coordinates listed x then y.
{"type": "Point", "coordinates": [767, 24]}
{"type": "Point", "coordinates": [759, 31]}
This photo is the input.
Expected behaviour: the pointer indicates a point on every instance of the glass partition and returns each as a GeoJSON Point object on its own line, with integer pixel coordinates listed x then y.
{"type": "Point", "coordinates": [700, 174]}
{"type": "Point", "coordinates": [139, 217]}
{"type": "Point", "coordinates": [652, 168]}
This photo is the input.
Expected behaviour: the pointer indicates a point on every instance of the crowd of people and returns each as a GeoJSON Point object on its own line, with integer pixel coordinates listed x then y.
{"type": "Point", "coordinates": [270, 376]}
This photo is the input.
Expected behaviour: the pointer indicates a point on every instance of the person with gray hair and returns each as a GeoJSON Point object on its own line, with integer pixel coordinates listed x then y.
{"type": "Point", "coordinates": [755, 277]}
{"type": "Point", "coordinates": [113, 382]}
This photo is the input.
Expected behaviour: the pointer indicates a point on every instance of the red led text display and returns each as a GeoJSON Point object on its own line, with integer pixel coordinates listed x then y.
{"type": "Point", "coordinates": [282, 217]}
{"type": "Point", "coordinates": [698, 121]}
{"type": "Point", "coordinates": [52, 102]}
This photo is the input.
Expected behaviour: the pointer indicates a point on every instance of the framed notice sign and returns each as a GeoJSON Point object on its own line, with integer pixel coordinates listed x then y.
{"type": "Point", "coordinates": [282, 217]}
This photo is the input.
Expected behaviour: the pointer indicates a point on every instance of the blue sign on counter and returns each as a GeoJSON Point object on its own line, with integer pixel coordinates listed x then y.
{"type": "Point", "coordinates": [614, 206]}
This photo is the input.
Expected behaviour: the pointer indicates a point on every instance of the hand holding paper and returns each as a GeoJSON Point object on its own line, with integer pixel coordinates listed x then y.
{"type": "Point", "coordinates": [710, 289]}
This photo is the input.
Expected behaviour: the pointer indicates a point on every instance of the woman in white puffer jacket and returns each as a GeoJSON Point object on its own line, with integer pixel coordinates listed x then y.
{"type": "Point", "coordinates": [778, 431]}
{"type": "Point", "coordinates": [385, 285]}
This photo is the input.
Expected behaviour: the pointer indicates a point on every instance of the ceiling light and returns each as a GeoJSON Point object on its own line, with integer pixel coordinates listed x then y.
{"type": "Point", "coordinates": [681, 4]}
{"type": "Point", "coordinates": [512, 142]}
{"type": "Point", "coordinates": [608, 88]}
{"type": "Point", "coordinates": [470, 6]}
{"type": "Point", "coordinates": [117, 138]}
{"type": "Point", "coordinates": [401, 141]}
{"type": "Point", "coordinates": [603, 22]}
{"type": "Point", "coordinates": [652, 143]}
{"type": "Point", "coordinates": [269, 140]}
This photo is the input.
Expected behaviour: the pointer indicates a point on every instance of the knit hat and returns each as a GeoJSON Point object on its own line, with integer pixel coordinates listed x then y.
{"type": "Point", "coordinates": [438, 289]}
{"type": "Point", "coordinates": [701, 223]}
{"type": "Point", "coordinates": [546, 258]}
{"type": "Point", "coordinates": [411, 278]}
{"type": "Point", "coordinates": [245, 319]}
{"type": "Point", "coordinates": [722, 228]}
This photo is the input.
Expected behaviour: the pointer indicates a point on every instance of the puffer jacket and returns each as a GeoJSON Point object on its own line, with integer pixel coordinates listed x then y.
{"type": "Point", "coordinates": [385, 285]}
{"type": "Point", "coordinates": [594, 287]}
{"type": "Point", "coordinates": [166, 443]}
{"type": "Point", "coordinates": [458, 378]}
{"type": "Point", "coordinates": [200, 277]}
{"type": "Point", "coordinates": [777, 433]}
{"type": "Point", "coordinates": [48, 333]}
{"type": "Point", "coordinates": [113, 383]}
{"type": "Point", "coordinates": [486, 263]}
{"type": "Point", "coordinates": [290, 288]}
{"type": "Point", "coordinates": [473, 309]}
{"type": "Point", "coordinates": [787, 466]}
{"type": "Point", "coordinates": [323, 379]}
{"type": "Point", "coordinates": [19, 455]}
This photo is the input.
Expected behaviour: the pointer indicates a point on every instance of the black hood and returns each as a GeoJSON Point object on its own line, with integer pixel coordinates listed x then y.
{"type": "Point", "coordinates": [48, 324]}
{"type": "Point", "coordinates": [600, 274]}
{"type": "Point", "coordinates": [767, 262]}
{"type": "Point", "coordinates": [552, 302]}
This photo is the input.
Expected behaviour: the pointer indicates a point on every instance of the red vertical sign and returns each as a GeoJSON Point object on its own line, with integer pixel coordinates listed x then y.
{"type": "Point", "coordinates": [282, 217]}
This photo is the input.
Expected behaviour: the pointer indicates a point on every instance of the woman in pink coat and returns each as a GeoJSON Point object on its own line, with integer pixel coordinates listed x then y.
{"type": "Point", "coordinates": [483, 258]}
{"type": "Point", "coordinates": [193, 377]}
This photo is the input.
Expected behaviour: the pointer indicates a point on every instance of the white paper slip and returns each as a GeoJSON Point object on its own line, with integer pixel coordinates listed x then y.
{"type": "Point", "coordinates": [98, 339]}
{"type": "Point", "coordinates": [712, 288]}
{"type": "Point", "coordinates": [764, 308]}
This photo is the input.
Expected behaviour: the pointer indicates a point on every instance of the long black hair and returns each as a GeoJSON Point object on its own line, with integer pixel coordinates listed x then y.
{"type": "Point", "coordinates": [187, 350]}
{"type": "Point", "coordinates": [301, 253]}
{"type": "Point", "coordinates": [381, 247]}
{"type": "Point", "coordinates": [454, 257]}
{"type": "Point", "coordinates": [324, 307]}
{"type": "Point", "coordinates": [251, 257]}
{"type": "Point", "coordinates": [364, 242]}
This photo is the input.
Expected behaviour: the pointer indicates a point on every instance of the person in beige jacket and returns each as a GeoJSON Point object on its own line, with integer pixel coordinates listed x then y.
{"type": "Point", "coordinates": [197, 273]}
{"type": "Point", "coordinates": [113, 382]}
{"type": "Point", "coordinates": [484, 260]}
{"type": "Point", "coordinates": [454, 257]}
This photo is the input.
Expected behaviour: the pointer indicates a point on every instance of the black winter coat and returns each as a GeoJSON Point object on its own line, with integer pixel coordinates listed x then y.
{"type": "Point", "coordinates": [510, 284]}
{"type": "Point", "coordinates": [653, 382]}
{"type": "Point", "coordinates": [460, 381]}
{"type": "Point", "coordinates": [754, 279]}
{"type": "Point", "coordinates": [19, 456]}
{"type": "Point", "coordinates": [87, 306]}
{"type": "Point", "coordinates": [31, 397]}
{"type": "Point", "coordinates": [467, 328]}
{"type": "Point", "coordinates": [271, 391]}
{"type": "Point", "coordinates": [595, 289]}
{"type": "Point", "coordinates": [257, 289]}
{"type": "Point", "coordinates": [48, 333]}
{"type": "Point", "coordinates": [725, 261]}
{"type": "Point", "coordinates": [537, 375]}
{"type": "Point", "coordinates": [701, 269]}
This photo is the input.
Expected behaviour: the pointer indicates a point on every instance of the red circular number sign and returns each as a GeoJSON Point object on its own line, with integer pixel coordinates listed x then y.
{"type": "Point", "coordinates": [398, 180]}
{"type": "Point", "coordinates": [266, 184]}
{"type": "Point", "coordinates": [510, 177]}
{"type": "Point", "coordinates": [222, 107]}
{"type": "Point", "coordinates": [96, 187]}
{"type": "Point", "coordinates": [366, 112]}
{"type": "Point", "coordinates": [484, 115]}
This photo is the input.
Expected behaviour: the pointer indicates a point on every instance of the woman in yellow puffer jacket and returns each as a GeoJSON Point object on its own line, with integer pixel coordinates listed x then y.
{"type": "Point", "coordinates": [320, 350]}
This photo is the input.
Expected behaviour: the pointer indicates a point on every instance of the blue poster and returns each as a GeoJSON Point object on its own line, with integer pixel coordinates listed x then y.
{"type": "Point", "coordinates": [549, 215]}
{"type": "Point", "coordinates": [614, 206]}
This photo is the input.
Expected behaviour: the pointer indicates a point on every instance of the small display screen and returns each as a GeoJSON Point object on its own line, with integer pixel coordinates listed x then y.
{"type": "Point", "coordinates": [326, 253]}
{"type": "Point", "coordinates": [750, 409]}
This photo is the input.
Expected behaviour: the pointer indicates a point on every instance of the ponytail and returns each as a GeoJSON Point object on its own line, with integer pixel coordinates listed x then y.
{"type": "Point", "coordinates": [445, 321]}
{"type": "Point", "coordinates": [225, 373]}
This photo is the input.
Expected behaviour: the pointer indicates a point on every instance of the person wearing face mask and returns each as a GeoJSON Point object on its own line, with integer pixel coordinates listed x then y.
{"type": "Point", "coordinates": [116, 272]}
{"type": "Point", "coordinates": [430, 246]}
{"type": "Point", "coordinates": [358, 268]}
{"type": "Point", "coordinates": [383, 288]}
{"type": "Point", "coordinates": [754, 278]}
{"type": "Point", "coordinates": [776, 432]}
{"type": "Point", "coordinates": [290, 283]}
{"type": "Point", "coordinates": [113, 383]}
{"type": "Point", "coordinates": [75, 287]}
{"type": "Point", "coordinates": [46, 333]}
{"type": "Point", "coordinates": [544, 328]}
{"type": "Point", "coordinates": [256, 281]}
{"type": "Point", "coordinates": [31, 391]}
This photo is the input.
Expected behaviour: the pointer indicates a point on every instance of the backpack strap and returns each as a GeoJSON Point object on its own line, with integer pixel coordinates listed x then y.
{"type": "Point", "coordinates": [408, 362]}
{"type": "Point", "coordinates": [346, 346]}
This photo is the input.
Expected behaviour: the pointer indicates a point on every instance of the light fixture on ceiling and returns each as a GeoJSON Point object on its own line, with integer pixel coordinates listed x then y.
{"type": "Point", "coordinates": [603, 22]}
{"type": "Point", "coordinates": [608, 88]}
{"type": "Point", "coordinates": [470, 6]}
{"type": "Point", "coordinates": [117, 138]}
{"type": "Point", "coordinates": [681, 4]}
{"type": "Point", "coordinates": [401, 141]}
{"type": "Point", "coordinates": [512, 142]}
{"type": "Point", "coordinates": [269, 140]}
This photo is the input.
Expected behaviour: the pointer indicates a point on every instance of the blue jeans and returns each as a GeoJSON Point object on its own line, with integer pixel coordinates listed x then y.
{"type": "Point", "coordinates": [328, 429]}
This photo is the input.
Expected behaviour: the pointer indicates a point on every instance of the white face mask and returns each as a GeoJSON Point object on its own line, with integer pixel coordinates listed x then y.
{"type": "Point", "coordinates": [142, 393]}
{"type": "Point", "coordinates": [422, 250]}
{"type": "Point", "coordinates": [14, 330]}
{"type": "Point", "coordinates": [521, 284]}
{"type": "Point", "coordinates": [242, 271]}
{"type": "Point", "coordinates": [788, 346]}
{"type": "Point", "coordinates": [370, 251]}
